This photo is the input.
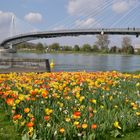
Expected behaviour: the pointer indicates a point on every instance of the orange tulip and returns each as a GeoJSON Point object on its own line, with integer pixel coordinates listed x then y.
{"type": "Point", "coordinates": [84, 126]}
{"type": "Point", "coordinates": [30, 124]}
{"type": "Point", "coordinates": [78, 126]}
{"type": "Point", "coordinates": [32, 119]}
{"type": "Point", "coordinates": [94, 126]}
{"type": "Point", "coordinates": [16, 117]}
{"type": "Point", "coordinates": [62, 130]}
{"type": "Point", "coordinates": [77, 113]}
{"type": "Point", "coordinates": [10, 101]}
{"type": "Point", "coordinates": [46, 118]}
{"type": "Point", "coordinates": [26, 110]}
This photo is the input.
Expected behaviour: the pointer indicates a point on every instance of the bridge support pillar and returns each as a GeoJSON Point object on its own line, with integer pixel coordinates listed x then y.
{"type": "Point", "coordinates": [10, 48]}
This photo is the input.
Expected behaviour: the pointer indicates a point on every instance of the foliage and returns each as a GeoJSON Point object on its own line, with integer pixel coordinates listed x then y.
{"type": "Point", "coordinates": [40, 46]}
{"type": "Point", "coordinates": [54, 47]}
{"type": "Point", "coordinates": [126, 46]}
{"type": "Point", "coordinates": [100, 46]}
{"type": "Point", "coordinates": [71, 106]}
{"type": "Point", "coordinates": [7, 131]}
{"type": "Point", "coordinates": [67, 48]}
{"type": "Point", "coordinates": [30, 46]}
{"type": "Point", "coordinates": [138, 51]}
{"type": "Point", "coordinates": [86, 48]}
{"type": "Point", "coordinates": [76, 48]}
{"type": "Point", "coordinates": [95, 48]}
{"type": "Point", "coordinates": [113, 49]}
{"type": "Point", "coordinates": [102, 41]}
{"type": "Point", "coordinates": [126, 42]}
{"type": "Point", "coordinates": [128, 50]}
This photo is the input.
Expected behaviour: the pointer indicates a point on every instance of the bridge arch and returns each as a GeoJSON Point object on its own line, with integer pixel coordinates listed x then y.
{"type": "Point", "coordinates": [60, 33]}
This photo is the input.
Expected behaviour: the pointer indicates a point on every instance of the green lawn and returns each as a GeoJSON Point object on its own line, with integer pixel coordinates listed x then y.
{"type": "Point", "coordinates": [132, 136]}
{"type": "Point", "coordinates": [129, 136]}
{"type": "Point", "coordinates": [7, 131]}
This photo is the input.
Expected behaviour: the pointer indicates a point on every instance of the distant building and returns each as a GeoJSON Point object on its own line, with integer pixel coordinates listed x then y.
{"type": "Point", "coordinates": [137, 48]}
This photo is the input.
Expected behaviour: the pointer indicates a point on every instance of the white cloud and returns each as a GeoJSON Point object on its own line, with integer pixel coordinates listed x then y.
{"type": "Point", "coordinates": [61, 27]}
{"type": "Point", "coordinates": [5, 17]}
{"type": "Point", "coordinates": [91, 7]}
{"type": "Point", "coordinates": [122, 6]}
{"type": "Point", "coordinates": [5, 24]}
{"type": "Point", "coordinates": [33, 17]}
{"type": "Point", "coordinates": [82, 7]}
{"type": "Point", "coordinates": [87, 23]}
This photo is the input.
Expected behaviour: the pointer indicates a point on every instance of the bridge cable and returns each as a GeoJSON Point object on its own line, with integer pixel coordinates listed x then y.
{"type": "Point", "coordinates": [131, 17]}
{"type": "Point", "coordinates": [118, 21]}
{"type": "Point", "coordinates": [97, 22]}
{"type": "Point", "coordinates": [89, 13]}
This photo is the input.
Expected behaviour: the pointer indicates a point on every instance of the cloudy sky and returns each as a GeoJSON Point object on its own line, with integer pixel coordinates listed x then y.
{"type": "Point", "coordinates": [42, 15]}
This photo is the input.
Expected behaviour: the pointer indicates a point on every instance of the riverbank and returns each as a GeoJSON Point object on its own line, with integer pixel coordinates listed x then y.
{"type": "Point", "coordinates": [70, 52]}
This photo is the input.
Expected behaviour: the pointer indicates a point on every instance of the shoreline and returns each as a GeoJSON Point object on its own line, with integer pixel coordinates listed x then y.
{"type": "Point", "coordinates": [72, 52]}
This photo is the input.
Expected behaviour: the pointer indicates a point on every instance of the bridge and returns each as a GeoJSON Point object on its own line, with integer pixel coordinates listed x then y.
{"type": "Point", "coordinates": [73, 32]}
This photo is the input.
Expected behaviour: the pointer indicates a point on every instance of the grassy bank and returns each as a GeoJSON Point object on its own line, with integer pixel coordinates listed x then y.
{"type": "Point", "coordinates": [7, 129]}
{"type": "Point", "coordinates": [69, 52]}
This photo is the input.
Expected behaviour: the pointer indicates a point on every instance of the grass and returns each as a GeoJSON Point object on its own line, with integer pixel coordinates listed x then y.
{"type": "Point", "coordinates": [7, 131]}
{"type": "Point", "coordinates": [132, 136]}
{"type": "Point", "coordinates": [128, 136]}
{"type": "Point", "coordinates": [135, 72]}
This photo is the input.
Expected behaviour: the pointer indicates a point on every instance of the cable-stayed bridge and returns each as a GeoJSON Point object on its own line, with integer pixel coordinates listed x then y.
{"type": "Point", "coordinates": [73, 32]}
{"type": "Point", "coordinates": [91, 21]}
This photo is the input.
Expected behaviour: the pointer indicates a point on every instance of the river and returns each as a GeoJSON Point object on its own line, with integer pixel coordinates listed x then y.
{"type": "Point", "coordinates": [85, 61]}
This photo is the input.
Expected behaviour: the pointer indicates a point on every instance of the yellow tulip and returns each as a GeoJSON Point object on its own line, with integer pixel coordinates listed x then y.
{"type": "Point", "coordinates": [116, 125]}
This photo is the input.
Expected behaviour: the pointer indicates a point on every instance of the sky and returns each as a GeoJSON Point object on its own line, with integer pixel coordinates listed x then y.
{"type": "Point", "coordinates": [21, 16]}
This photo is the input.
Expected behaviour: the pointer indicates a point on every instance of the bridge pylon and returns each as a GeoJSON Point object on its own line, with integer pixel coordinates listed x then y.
{"type": "Point", "coordinates": [102, 32]}
{"type": "Point", "coordinates": [13, 26]}
{"type": "Point", "coordinates": [10, 48]}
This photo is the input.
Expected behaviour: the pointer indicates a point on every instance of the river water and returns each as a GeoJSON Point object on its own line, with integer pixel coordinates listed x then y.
{"type": "Point", "coordinates": [85, 62]}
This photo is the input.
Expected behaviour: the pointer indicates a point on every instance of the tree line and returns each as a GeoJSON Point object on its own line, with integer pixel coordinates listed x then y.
{"type": "Point", "coordinates": [101, 46]}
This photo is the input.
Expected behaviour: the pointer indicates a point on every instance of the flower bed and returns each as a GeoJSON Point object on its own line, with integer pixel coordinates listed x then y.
{"type": "Point", "coordinates": [76, 105]}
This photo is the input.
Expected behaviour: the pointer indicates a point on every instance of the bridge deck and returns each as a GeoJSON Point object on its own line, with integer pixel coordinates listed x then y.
{"type": "Point", "coordinates": [73, 32]}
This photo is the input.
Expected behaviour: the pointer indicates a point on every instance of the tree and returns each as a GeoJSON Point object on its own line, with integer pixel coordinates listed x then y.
{"type": "Point", "coordinates": [131, 50]}
{"type": "Point", "coordinates": [40, 47]}
{"type": "Point", "coordinates": [128, 50]}
{"type": "Point", "coordinates": [76, 48]}
{"type": "Point", "coordinates": [138, 51]}
{"type": "Point", "coordinates": [126, 42]}
{"type": "Point", "coordinates": [95, 48]}
{"type": "Point", "coordinates": [54, 46]}
{"type": "Point", "coordinates": [113, 49]}
{"type": "Point", "coordinates": [67, 48]}
{"type": "Point", "coordinates": [126, 45]}
{"type": "Point", "coordinates": [86, 48]}
{"type": "Point", "coordinates": [102, 42]}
